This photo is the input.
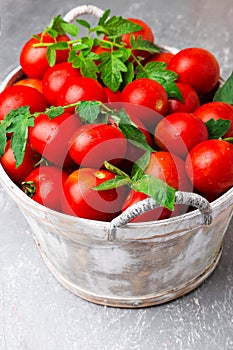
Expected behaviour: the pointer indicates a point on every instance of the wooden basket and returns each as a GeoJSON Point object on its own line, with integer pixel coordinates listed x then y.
{"type": "Point", "coordinates": [126, 264]}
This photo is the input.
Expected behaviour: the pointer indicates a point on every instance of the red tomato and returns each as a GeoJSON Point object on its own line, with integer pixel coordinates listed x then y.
{"type": "Point", "coordinates": [112, 96]}
{"type": "Point", "coordinates": [83, 201]}
{"type": "Point", "coordinates": [33, 59]}
{"type": "Point", "coordinates": [79, 89]}
{"type": "Point", "coordinates": [32, 82]}
{"type": "Point", "coordinates": [210, 166]}
{"type": "Point", "coordinates": [55, 78]}
{"type": "Point", "coordinates": [19, 174]}
{"type": "Point", "coordinates": [155, 214]}
{"type": "Point", "coordinates": [50, 137]}
{"type": "Point", "coordinates": [169, 168]}
{"type": "Point", "coordinates": [216, 110]}
{"type": "Point", "coordinates": [179, 132]}
{"type": "Point", "coordinates": [190, 100]}
{"type": "Point", "coordinates": [196, 67]}
{"type": "Point", "coordinates": [161, 57]}
{"type": "Point", "coordinates": [45, 186]}
{"type": "Point", "coordinates": [16, 96]}
{"type": "Point", "coordinates": [92, 144]}
{"type": "Point", "coordinates": [148, 93]}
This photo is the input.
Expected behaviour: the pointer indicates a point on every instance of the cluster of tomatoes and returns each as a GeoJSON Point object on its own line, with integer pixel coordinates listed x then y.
{"type": "Point", "coordinates": [64, 157]}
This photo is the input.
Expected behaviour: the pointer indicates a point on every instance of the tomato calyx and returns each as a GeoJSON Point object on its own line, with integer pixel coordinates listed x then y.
{"type": "Point", "coordinates": [29, 188]}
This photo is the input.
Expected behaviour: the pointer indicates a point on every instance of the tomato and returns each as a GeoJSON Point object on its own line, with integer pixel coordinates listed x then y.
{"type": "Point", "coordinates": [161, 57]}
{"type": "Point", "coordinates": [169, 168]}
{"type": "Point", "coordinates": [32, 82]}
{"type": "Point", "coordinates": [45, 186]}
{"type": "Point", "coordinates": [79, 89]}
{"type": "Point", "coordinates": [216, 110]}
{"type": "Point", "coordinates": [159, 213]}
{"type": "Point", "coordinates": [50, 137]}
{"type": "Point", "coordinates": [190, 100]}
{"type": "Point", "coordinates": [55, 78]}
{"type": "Point", "coordinates": [16, 96]}
{"type": "Point", "coordinates": [33, 59]}
{"type": "Point", "coordinates": [112, 96]}
{"type": "Point", "coordinates": [210, 166]}
{"type": "Point", "coordinates": [196, 67]}
{"type": "Point", "coordinates": [148, 93]}
{"type": "Point", "coordinates": [82, 200]}
{"type": "Point", "coordinates": [92, 144]}
{"type": "Point", "coordinates": [179, 132]}
{"type": "Point", "coordinates": [19, 174]}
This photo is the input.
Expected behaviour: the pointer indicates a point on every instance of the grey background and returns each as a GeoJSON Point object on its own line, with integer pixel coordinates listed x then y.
{"type": "Point", "coordinates": [36, 313]}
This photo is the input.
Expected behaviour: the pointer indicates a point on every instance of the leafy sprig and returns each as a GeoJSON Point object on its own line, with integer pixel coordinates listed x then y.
{"type": "Point", "coordinates": [116, 65]}
{"type": "Point", "coordinates": [19, 120]}
{"type": "Point", "coordinates": [160, 191]}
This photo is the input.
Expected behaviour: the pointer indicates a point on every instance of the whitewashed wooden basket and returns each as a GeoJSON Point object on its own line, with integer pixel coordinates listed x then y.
{"type": "Point", "coordinates": [135, 264]}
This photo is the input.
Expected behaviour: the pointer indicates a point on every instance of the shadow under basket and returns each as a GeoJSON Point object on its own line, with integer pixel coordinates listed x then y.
{"type": "Point", "coordinates": [134, 265]}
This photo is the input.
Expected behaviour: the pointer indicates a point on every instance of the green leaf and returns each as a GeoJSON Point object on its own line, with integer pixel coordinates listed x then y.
{"type": "Point", "coordinates": [173, 91]}
{"type": "Point", "coordinates": [83, 23]}
{"type": "Point", "coordinates": [104, 17]}
{"type": "Point", "coordinates": [113, 183]}
{"type": "Point", "coordinates": [117, 26]}
{"type": "Point", "coordinates": [157, 71]}
{"type": "Point", "coordinates": [88, 111]}
{"type": "Point", "coordinates": [85, 63]}
{"type": "Point", "coordinates": [51, 56]}
{"type": "Point", "coordinates": [135, 136]}
{"type": "Point", "coordinates": [70, 28]}
{"type": "Point", "coordinates": [19, 140]}
{"type": "Point", "coordinates": [224, 93]}
{"type": "Point", "coordinates": [128, 76]}
{"type": "Point", "coordinates": [3, 139]}
{"type": "Point", "coordinates": [145, 45]}
{"type": "Point", "coordinates": [122, 53]}
{"type": "Point", "coordinates": [138, 168]}
{"type": "Point", "coordinates": [111, 69]}
{"type": "Point", "coordinates": [157, 189]}
{"type": "Point", "coordinates": [53, 112]}
{"type": "Point", "coordinates": [217, 128]}
{"type": "Point", "coordinates": [55, 26]}
{"type": "Point", "coordinates": [17, 123]}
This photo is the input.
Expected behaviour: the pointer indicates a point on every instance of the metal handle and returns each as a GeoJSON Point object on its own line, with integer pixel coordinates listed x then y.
{"type": "Point", "coordinates": [83, 10]}
{"type": "Point", "coordinates": [188, 198]}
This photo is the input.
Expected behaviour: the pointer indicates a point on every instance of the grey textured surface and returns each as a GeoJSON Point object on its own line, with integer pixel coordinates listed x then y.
{"type": "Point", "coordinates": [36, 313]}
